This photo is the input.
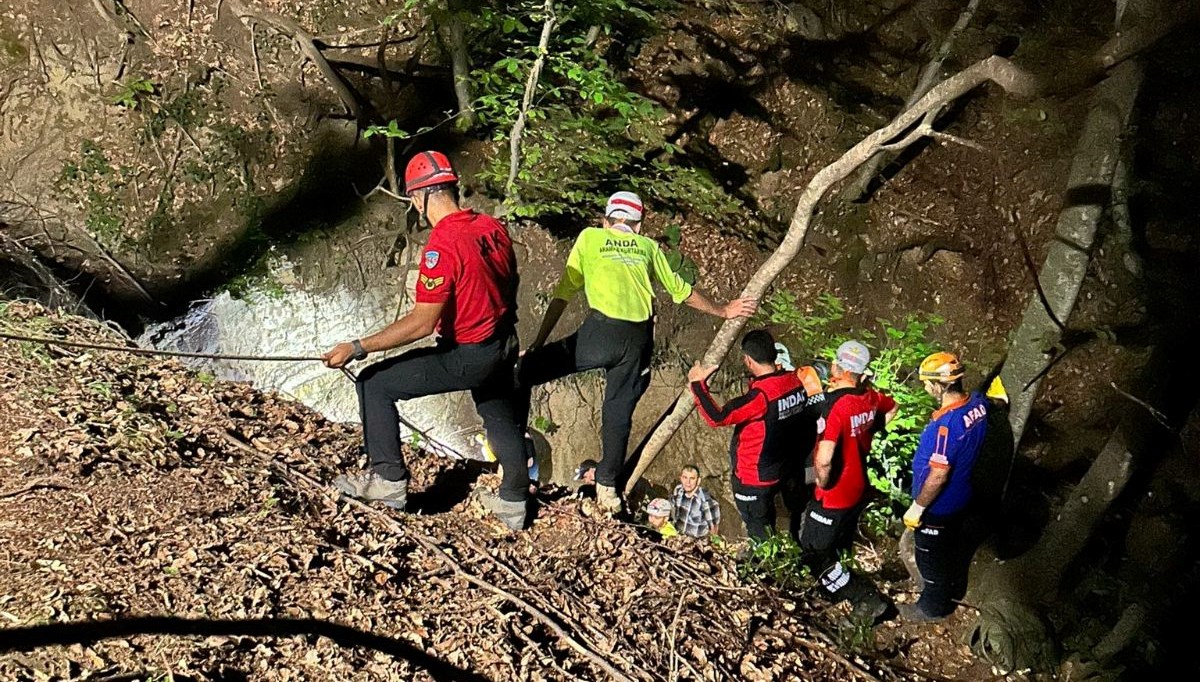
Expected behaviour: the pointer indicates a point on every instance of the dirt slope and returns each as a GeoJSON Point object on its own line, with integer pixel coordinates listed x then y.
{"type": "Point", "coordinates": [140, 541]}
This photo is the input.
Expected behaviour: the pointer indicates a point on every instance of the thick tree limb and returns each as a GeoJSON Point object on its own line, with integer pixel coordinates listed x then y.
{"type": "Point", "coordinates": [928, 77]}
{"type": "Point", "coordinates": [1088, 194]}
{"type": "Point", "coordinates": [304, 42]}
{"type": "Point", "coordinates": [518, 129]}
{"type": "Point", "coordinates": [1014, 80]}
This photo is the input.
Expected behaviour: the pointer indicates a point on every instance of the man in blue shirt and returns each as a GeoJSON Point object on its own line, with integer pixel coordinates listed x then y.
{"type": "Point", "coordinates": [941, 488]}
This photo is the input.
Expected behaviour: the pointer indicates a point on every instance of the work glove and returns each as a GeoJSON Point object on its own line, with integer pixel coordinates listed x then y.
{"type": "Point", "coordinates": [912, 517]}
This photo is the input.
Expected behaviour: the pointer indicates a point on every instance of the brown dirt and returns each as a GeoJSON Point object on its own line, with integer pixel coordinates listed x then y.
{"type": "Point", "coordinates": [121, 499]}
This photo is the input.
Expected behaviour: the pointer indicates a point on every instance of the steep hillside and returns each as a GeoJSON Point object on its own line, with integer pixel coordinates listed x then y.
{"type": "Point", "coordinates": [156, 524]}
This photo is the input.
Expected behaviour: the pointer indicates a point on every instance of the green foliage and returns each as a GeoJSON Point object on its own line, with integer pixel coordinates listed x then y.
{"type": "Point", "coordinates": [96, 186]}
{"type": "Point", "coordinates": [897, 347]}
{"type": "Point", "coordinates": [777, 560]}
{"type": "Point", "coordinates": [856, 635]}
{"type": "Point", "coordinates": [809, 330]}
{"type": "Point", "coordinates": [587, 132]}
{"type": "Point", "coordinates": [186, 109]}
{"type": "Point", "coordinates": [133, 93]}
{"type": "Point", "coordinates": [259, 279]}
{"type": "Point", "coordinates": [545, 424]}
{"type": "Point", "coordinates": [897, 352]}
{"type": "Point", "coordinates": [681, 264]}
{"type": "Point", "coordinates": [877, 518]}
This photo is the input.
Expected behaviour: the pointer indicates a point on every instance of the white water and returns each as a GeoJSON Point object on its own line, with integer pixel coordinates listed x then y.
{"type": "Point", "coordinates": [307, 324]}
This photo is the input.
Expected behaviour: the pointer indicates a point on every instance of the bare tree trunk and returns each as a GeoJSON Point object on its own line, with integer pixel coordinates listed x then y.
{"type": "Point", "coordinates": [928, 77]}
{"type": "Point", "coordinates": [518, 129]}
{"type": "Point", "coordinates": [460, 65]}
{"type": "Point", "coordinates": [895, 136]}
{"type": "Point", "coordinates": [1088, 194]}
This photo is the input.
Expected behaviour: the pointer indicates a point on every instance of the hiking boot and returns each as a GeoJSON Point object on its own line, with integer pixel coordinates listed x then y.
{"type": "Point", "coordinates": [607, 499]}
{"type": "Point", "coordinates": [511, 513]}
{"type": "Point", "coordinates": [369, 486]}
{"type": "Point", "coordinates": [914, 614]}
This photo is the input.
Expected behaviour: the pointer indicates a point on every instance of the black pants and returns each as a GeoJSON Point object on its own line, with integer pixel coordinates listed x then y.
{"type": "Point", "coordinates": [943, 557]}
{"type": "Point", "coordinates": [824, 534]}
{"type": "Point", "coordinates": [622, 349]}
{"type": "Point", "coordinates": [756, 505]}
{"type": "Point", "coordinates": [796, 495]}
{"type": "Point", "coordinates": [486, 369]}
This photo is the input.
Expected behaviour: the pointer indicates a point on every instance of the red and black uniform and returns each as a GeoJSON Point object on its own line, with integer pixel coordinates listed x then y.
{"type": "Point", "coordinates": [469, 266]}
{"type": "Point", "coordinates": [796, 488]}
{"type": "Point", "coordinates": [768, 422]}
{"type": "Point", "coordinates": [852, 416]}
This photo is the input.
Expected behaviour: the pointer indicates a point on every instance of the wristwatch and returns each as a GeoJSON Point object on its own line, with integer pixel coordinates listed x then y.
{"type": "Point", "coordinates": [360, 353]}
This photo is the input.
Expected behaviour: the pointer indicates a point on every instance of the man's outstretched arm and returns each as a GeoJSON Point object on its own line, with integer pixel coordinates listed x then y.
{"type": "Point", "coordinates": [420, 322]}
{"type": "Point", "coordinates": [738, 307]}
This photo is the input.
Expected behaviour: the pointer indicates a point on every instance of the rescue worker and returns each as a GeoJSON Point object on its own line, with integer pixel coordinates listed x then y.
{"type": "Point", "coordinates": [768, 423]}
{"type": "Point", "coordinates": [796, 488]}
{"type": "Point", "coordinates": [466, 293]}
{"type": "Point", "coordinates": [852, 415]}
{"type": "Point", "coordinates": [614, 265]}
{"type": "Point", "coordinates": [942, 469]}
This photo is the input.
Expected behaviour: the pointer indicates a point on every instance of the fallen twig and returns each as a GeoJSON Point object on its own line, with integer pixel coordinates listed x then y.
{"type": "Point", "coordinates": [40, 483]}
{"type": "Point", "coordinates": [1154, 412]}
{"type": "Point", "coordinates": [439, 554]}
{"type": "Point", "coordinates": [854, 668]}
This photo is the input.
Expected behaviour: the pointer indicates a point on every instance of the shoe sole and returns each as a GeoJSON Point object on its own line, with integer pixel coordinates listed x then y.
{"type": "Point", "coordinates": [388, 503]}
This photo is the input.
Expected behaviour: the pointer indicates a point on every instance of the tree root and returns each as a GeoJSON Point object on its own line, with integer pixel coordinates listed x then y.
{"type": "Point", "coordinates": [305, 43]}
{"type": "Point", "coordinates": [1011, 636]}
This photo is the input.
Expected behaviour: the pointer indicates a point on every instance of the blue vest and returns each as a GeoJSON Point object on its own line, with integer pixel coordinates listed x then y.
{"type": "Point", "coordinates": [953, 438]}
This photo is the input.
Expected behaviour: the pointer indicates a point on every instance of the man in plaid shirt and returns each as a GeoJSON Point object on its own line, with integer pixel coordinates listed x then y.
{"type": "Point", "coordinates": [694, 512]}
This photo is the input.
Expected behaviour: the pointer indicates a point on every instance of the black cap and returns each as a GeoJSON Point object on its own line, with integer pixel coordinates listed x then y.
{"type": "Point", "coordinates": [584, 466]}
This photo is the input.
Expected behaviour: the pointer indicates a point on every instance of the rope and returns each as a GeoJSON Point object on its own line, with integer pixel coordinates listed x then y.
{"type": "Point", "coordinates": [430, 441]}
{"type": "Point", "coordinates": [152, 351]}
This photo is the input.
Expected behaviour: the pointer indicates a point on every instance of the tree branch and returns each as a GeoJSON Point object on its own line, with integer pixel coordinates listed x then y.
{"type": "Point", "coordinates": [460, 64]}
{"type": "Point", "coordinates": [929, 76]}
{"type": "Point", "coordinates": [1014, 80]}
{"type": "Point", "coordinates": [518, 129]}
{"type": "Point", "coordinates": [304, 41]}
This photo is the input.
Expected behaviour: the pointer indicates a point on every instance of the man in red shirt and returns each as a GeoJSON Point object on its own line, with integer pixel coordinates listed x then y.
{"type": "Point", "coordinates": [769, 421]}
{"type": "Point", "coordinates": [467, 294]}
{"type": "Point", "coordinates": [853, 413]}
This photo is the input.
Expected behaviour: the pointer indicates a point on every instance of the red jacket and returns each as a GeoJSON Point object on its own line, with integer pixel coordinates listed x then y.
{"type": "Point", "coordinates": [768, 425]}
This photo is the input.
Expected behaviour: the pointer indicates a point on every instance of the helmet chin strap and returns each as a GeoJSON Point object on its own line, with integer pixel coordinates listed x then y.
{"type": "Point", "coordinates": [424, 210]}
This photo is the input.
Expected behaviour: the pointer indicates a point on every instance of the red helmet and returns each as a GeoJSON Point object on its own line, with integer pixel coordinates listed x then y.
{"type": "Point", "coordinates": [426, 170]}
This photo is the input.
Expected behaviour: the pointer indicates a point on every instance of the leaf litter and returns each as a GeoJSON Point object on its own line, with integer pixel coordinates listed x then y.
{"type": "Point", "coordinates": [136, 491]}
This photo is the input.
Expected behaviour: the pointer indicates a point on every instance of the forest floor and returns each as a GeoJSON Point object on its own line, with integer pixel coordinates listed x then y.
{"type": "Point", "coordinates": [157, 524]}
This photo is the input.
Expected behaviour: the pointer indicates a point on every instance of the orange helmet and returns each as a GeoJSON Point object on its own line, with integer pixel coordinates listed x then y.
{"type": "Point", "coordinates": [941, 368]}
